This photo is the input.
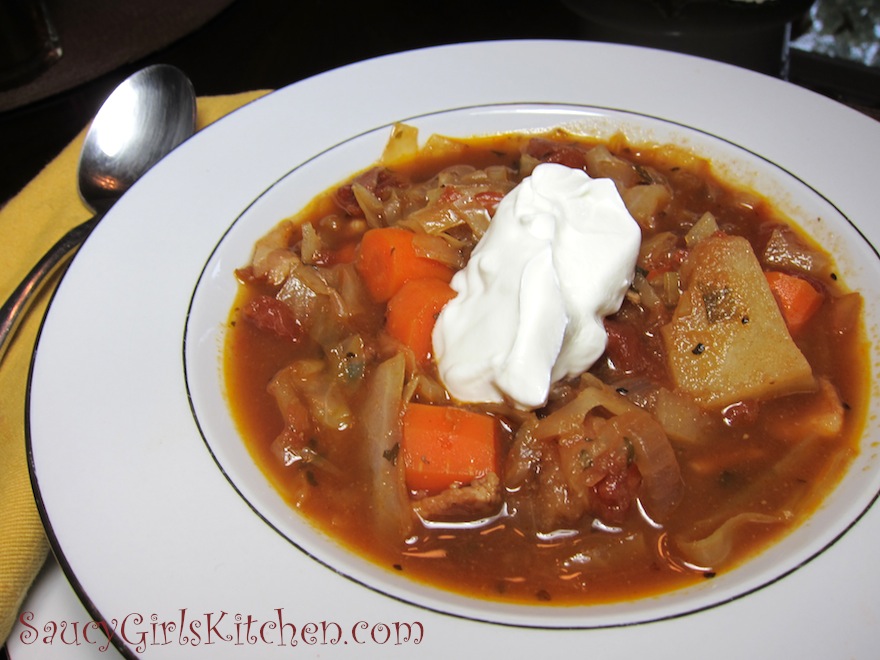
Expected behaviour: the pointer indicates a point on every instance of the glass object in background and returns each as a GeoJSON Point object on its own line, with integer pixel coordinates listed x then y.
{"type": "Point", "coordinates": [845, 29]}
{"type": "Point", "coordinates": [749, 33]}
{"type": "Point", "coordinates": [28, 41]}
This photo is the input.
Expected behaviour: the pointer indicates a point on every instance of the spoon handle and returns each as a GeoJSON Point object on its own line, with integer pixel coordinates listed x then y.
{"type": "Point", "coordinates": [19, 302]}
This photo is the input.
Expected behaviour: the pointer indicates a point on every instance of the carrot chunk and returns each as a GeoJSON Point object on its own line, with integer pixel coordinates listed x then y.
{"type": "Point", "coordinates": [443, 445]}
{"type": "Point", "coordinates": [798, 299]}
{"type": "Point", "coordinates": [387, 259]}
{"type": "Point", "coordinates": [412, 313]}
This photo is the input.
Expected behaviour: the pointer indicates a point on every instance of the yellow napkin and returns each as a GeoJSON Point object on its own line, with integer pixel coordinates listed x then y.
{"type": "Point", "coordinates": [29, 224]}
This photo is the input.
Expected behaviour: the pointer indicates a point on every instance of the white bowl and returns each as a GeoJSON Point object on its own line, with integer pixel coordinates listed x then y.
{"type": "Point", "coordinates": [857, 264]}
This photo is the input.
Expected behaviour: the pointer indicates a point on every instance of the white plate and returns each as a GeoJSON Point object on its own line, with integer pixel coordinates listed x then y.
{"type": "Point", "coordinates": [150, 520]}
{"type": "Point", "coordinates": [52, 599]}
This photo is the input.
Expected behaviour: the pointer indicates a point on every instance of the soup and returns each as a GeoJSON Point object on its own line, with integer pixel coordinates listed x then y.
{"type": "Point", "coordinates": [727, 403]}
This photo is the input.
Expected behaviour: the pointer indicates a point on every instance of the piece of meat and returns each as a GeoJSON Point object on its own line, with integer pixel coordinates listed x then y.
{"type": "Point", "coordinates": [482, 498]}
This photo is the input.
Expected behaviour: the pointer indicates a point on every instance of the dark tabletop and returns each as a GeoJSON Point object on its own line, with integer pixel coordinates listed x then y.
{"type": "Point", "coordinates": [239, 45]}
{"type": "Point", "coordinates": [257, 44]}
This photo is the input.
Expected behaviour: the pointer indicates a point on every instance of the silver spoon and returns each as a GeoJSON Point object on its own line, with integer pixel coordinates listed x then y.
{"type": "Point", "coordinates": [145, 117]}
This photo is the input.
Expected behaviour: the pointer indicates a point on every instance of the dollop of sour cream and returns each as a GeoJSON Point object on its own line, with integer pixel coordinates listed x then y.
{"type": "Point", "coordinates": [558, 257]}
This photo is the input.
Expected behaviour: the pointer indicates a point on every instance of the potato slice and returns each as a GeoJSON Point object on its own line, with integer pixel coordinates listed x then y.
{"type": "Point", "coordinates": [727, 340]}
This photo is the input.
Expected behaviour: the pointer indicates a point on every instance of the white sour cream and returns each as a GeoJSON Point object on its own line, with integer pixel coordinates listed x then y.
{"type": "Point", "coordinates": [557, 258]}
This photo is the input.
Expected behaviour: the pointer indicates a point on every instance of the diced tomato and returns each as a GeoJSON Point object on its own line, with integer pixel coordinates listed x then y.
{"type": "Point", "coordinates": [660, 264]}
{"type": "Point", "coordinates": [548, 151]}
{"type": "Point", "coordinates": [489, 200]}
{"type": "Point", "coordinates": [629, 352]}
{"type": "Point", "coordinates": [449, 194]}
{"type": "Point", "coordinates": [616, 493]}
{"type": "Point", "coordinates": [272, 315]}
{"type": "Point", "coordinates": [377, 180]}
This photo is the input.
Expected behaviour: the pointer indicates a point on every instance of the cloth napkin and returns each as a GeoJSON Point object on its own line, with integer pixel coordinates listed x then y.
{"type": "Point", "coordinates": [29, 224]}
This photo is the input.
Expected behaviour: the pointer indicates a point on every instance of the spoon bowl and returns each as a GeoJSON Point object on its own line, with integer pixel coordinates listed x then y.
{"type": "Point", "coordinates": [144, 118]}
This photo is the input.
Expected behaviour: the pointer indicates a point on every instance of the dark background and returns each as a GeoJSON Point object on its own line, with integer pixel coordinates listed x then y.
{"type": "Point", "coordinates": [256, 44]}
